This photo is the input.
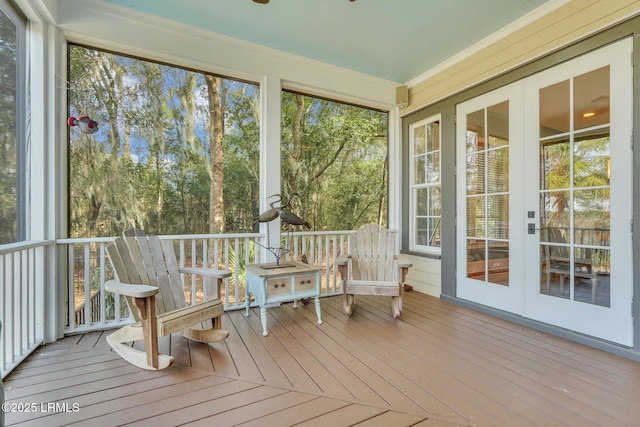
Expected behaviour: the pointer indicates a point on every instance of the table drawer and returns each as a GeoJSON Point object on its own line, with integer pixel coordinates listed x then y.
{"type": "Point", "coordinates": [278, 286]}
{"type": "Point", "coordinates": [304, 282]}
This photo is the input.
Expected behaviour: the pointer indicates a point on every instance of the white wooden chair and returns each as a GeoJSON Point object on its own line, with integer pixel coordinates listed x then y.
{"type": "Point", "coordinates": [148, 275]}
{"type": "Point", "coordinates": [375, 268]}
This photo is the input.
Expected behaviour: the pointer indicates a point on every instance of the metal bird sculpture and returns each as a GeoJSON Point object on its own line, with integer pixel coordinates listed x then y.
{"type": "Point", "coordinates": [271, 213]}
{"type": "Point", "coordinates": [290, 218]}
{"type": "Point", "coordinates": [286, 216]}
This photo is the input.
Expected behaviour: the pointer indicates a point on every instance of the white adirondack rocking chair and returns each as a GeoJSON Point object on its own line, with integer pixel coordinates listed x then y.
{"type": "Point", "coordinates": [375, 268]}
{"type": "Point", "coordinates": [148, 275]}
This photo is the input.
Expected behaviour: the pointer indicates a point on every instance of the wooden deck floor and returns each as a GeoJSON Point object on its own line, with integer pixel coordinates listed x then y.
{"type": "Point", "coordinates": [438, 365]}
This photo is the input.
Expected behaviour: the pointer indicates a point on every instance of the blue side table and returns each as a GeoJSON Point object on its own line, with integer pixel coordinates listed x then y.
{"type": "Point", "coordinates": [274, 284]}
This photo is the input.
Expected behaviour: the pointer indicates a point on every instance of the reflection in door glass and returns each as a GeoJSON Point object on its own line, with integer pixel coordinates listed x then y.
{"type": "Point", "coordinates": [487, 205]}
{"type": "Point", "coordinates": [575, 171]}
{"type": "Point", "coordinates": [591, 99]}
{"type": "Point", "coordinates": [554, 164]}
{"type": "Point", "coordinates": [554, 109]}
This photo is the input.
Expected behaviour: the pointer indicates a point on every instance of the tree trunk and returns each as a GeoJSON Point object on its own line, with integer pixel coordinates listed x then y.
{"type": "Point", "coordinates": [216, 171]}
{"type": "Point", "coordinates": [216, 132]}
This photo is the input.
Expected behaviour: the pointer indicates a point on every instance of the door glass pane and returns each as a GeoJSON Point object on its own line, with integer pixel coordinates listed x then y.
{"type": "Point", "coordinates": [575, 189]}
{"type": "Point", "coordinates": [476, 217]}
{"type": "Point", "coordinates": [498, 262]}
{"type": "Point", "coordinates": [592, 159]}
{"type": "Point", "coordinates": [433, 136]}
{"type": "Point", "coordinates": [477, 259]}
{"type": "Point", "coordinates": [498, 168]}
{"type": "Point", "coordinates": [554, 164]}
{"type": "Point", "coordinates": [498, 124]}
{"type": "Point", "coordinates": [554, 212]}
{"type": "Point", "coordinates": [475, 131]}
{"type": "Point", "coordinates": [591, 99]}
{"type": "Point", "coordinates": [498, 216]}
{"type": "Point", "coordinates": [555, 109]}
{"type": "Point", "coordinates": [475, 173]}
{"type": "Point", "coordinates": [487, 182]}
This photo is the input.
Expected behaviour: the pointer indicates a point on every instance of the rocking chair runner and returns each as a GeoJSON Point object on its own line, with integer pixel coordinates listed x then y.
{"type": "Point", "coordinates": [375, 268]}
{"type": "Point", "coordinates": [148, 275]}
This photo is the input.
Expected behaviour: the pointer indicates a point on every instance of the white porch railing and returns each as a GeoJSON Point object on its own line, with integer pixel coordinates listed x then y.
{"type": "Point", "coordinates": [22, 279]}
{"type": "Point", "coordinates": [90, 307]}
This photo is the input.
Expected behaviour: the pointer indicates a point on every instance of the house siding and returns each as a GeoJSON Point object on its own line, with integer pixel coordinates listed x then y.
{"type": "Point", "coordinates": [568, 23]}
{"type": "Point", "coordinates": [425, 275]}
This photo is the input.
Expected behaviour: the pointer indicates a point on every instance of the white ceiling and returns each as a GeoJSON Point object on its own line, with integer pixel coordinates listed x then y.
{"type": "Point", "coordinates": [396, 40]}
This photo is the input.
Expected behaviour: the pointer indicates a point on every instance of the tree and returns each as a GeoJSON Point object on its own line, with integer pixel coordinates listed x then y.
{"type": "Point", "coordinates": [178, 151]}
{"type": "Point", "coordinates": [334, 155]}
{"type": "Point", "coordinates": [215, 90]}
{"type": "Point", "coordinates": [8, 147]}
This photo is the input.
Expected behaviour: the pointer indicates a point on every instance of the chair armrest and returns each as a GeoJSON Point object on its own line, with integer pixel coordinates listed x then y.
{"type": "Point", "coordinates": [134, 291]}
{"type": "Point", "coordinates": [403, 262]}
{"type": "Point", "coordinates": [342, 260]}
{"type": "Point", "coordinates": [208, 272]}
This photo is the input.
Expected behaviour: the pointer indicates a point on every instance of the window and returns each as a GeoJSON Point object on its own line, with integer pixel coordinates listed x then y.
{"type": "Point", "coordinates": [424, 178]}
{"type": "Point", "coordinates": [176, 151]}
{"type": "Point", "coordinates": [335, 156]}
{"type": "Point", "coordinates": [12, 101]}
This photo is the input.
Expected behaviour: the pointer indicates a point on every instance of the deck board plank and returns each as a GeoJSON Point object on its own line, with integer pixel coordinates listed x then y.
{"type": "Point", "coordinates": [346, 416]}
{"type": "Point", "coordinates": [254, 410]}
{"type": "Point", "coordinates": [431, 390]}
{"type": "Point", "coordinates": [285, 359]}
{"type": "Point", "coordinates": [486, 371]}
{"type": "Point", "coordinates": [190, 408]}
{"type": "Point", "coordinates": [439, 364]}
{"type": "Point", "coordinates": [255, 344]}
{"type": "Point", "coordinates": [488, 353]}
{"type": "Point", "coordinates": [333, 351]}
{"type": "Point", "coordinates": [298, 414]}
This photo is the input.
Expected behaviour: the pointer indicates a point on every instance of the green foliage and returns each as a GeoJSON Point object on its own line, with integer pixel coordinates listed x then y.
{"type": "Point", "coordinates": [8, 165]}
{"type": "Point", "coordinates": [151, 164]}
{"type": "Point", "coordinates": [335, 156]}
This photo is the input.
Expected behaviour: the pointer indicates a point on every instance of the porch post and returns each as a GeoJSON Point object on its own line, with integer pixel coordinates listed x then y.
{"type": "Point", "coordinates": [394, 190]}
{"type": "Point", "coordinates": [270, 96]}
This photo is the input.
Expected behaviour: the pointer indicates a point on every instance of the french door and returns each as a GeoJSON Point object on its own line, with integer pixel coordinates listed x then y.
{"type": "Point", "coordinates": [544, 181]}
{"type": "Point", "coordinates": [489, 184]}
{"type": "Point", "coordinates": [578, 131]}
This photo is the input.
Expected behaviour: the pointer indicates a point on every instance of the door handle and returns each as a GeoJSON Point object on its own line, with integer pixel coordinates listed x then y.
{"type": "Point", "coordinates": [531, 228]}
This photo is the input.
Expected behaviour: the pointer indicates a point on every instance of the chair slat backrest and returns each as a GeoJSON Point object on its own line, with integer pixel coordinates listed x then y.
{"type": "Point", "coordinates": [373, 253]}
{"type": "Point", "coordinates": [139, 258]}
{"type": "Point", "coordinates": [173, 272]}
